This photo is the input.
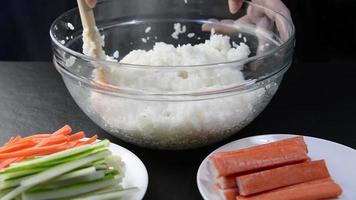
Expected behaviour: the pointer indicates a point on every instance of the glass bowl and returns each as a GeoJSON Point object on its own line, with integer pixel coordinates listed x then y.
{"type": "Point", "coordinates": [173, 107]}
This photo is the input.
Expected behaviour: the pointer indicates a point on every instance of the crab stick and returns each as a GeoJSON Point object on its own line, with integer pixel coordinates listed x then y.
{"type": "Point", "coordinates": [281, 177]}
{"type": "Point", "coordinates": [293, 141]}
{"type": "Point", "coordinates": [257, 160]}
{"type": "Point", "coordinates": [227, 182]}
{"type": "Point", "coordinates": [313, 190]}
{"type": "Point", "coordinates": [230, 194]}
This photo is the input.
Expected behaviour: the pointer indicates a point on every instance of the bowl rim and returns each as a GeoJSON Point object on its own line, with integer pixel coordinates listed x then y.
{"type": "Point", "coordinates": [128, 65]}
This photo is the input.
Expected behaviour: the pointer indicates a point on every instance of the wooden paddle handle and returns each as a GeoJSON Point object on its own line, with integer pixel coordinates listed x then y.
{"type": "Point", "coordinates": [86, 15]}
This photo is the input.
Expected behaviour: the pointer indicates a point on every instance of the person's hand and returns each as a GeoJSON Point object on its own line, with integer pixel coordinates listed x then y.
{"type": "Point", "coordinates": [262, 19]}
{"type": "Point", "coordinates": [275, 5]}
{"type": "Point", "coordinates": [90, 3]}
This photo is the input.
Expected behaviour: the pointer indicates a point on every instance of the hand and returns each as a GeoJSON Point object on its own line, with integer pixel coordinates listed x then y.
{"type": "Point", "coordinates": [276, 5]}
{"type": "Point", "coordinates": [254, 15]}
{"type": "Point", "coordinates": [90, 3]}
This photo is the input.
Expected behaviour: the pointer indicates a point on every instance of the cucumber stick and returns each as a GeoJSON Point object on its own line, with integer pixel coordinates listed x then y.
{"type": "Point", "coordinates": [76, 173]}
{"type": "Point", "coordinates": [109, 195]}
{"type": "Point", "coordinates": [70, 190]}
{"type": "Point", "coordinates": [62, 168]}
{"type": "Point", "coordinates": [88, 172]}
{"type": "Point", "coordinates": [53, 172]}
{"type": "Point", "coordinates": [55, 157]}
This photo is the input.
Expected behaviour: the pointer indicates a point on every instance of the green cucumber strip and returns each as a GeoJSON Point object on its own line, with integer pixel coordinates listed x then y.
{"type": "Point", "coordinates": [12, 182]}
{"type": "Point", "coordinates": [50, 164]}
{"type": "Point", "coordinates": [62, 168]}
{"type": "Point", "coordinates": [104, 190]}
{"type": "Point", "coordinates": [53, 172]}
{"type": "Point", "coordinates": [109, 195]}
{"type": "Point", "coordinates": [14, 175]}
{"type": "Point", "coordinates": [4, 192]}
{"type": "Point", "coordinates": [102, 161]}
{"type": "Point", "coordinates": [56, 156]}
{"type": "Point", "coordinates": [70, 190]}
{"type": "Point", "coordinates": [101, 166]}
{"type": "Point", "coordinates": [89, 177]}
{"type": "Point", "coordinates": [73, 157]}
{"type": "Point", "coordinates": [14, 193]}
{"type": "Point", "coordinates": [76, 173]}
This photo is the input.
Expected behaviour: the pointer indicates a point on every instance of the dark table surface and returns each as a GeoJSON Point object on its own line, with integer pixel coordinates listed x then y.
{"type": "Point", "coordinates": [316, 99]}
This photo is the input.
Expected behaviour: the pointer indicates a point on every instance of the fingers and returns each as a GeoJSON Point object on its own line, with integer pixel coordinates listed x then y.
{"type": "Point", "coordinates": [235, 5]}
{"type": "Point", "coordinates": [257, 15]}
{"type": "Point", "coordinates": [278, 6]}
{"type": "Point", "coordinates": [225, 26]}
{"type": "Point", "coordinates": [91, 3]}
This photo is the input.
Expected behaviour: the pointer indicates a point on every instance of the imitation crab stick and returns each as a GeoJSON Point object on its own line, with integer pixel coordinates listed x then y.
{"type": "Point", "coordinates": [258, 159]}
{"type": "Point", "coordinates": [230, 194]}
{"type": "Point", "coordinates": [227, 182]}
{"type": "Point", "coordinates": [294, 141]}
{"type": "Point", "coordinates": [313, 190]}
{"type": "Point", "coordinates": [281, 177]}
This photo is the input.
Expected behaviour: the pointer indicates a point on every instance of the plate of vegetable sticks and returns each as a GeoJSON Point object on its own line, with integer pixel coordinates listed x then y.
{"type": "Point", "coordinates": [66, 165]}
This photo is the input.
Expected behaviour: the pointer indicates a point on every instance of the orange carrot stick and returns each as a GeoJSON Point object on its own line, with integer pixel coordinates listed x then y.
{"type": "Point", "coordinates": [89, 141]}
{"type": "Point", "coordinates": [8, 162]}
{"type": "Point", "coordinates": [33, 151]}
{"type": "Point", "coordinates": [259, 159]}
{"type": "Point", "coordinates": [55, 139]}
{"type": "Point", "coordinates": [280, 177]}
{"type": "Point", "coordinates": [13, 140]}
{"type": "Point", "coordinates": [65, 130]}
{"type": "Point", "coordinates": [16, 147]}
{"type": "Point", "coordinates": [37, 136]}
{"type": "Point", "coordinates": [318, 189]}
{"type": "Point", "coordinates": [76, 136]}
{"type": "Point", "coordinates": [294, 141]}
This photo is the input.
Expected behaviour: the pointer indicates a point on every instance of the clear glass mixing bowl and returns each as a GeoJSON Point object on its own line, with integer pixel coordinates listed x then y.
{"type": "Point", "coordinates": [153, 114]}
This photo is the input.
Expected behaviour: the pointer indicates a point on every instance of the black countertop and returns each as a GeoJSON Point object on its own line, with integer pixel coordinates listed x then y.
{"type": "Point", "coordinates": [316, 99]}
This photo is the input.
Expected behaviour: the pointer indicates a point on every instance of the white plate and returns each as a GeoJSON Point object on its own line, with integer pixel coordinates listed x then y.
{"type": "Point", "coordinates": [340, 159]}
{"type": "Point", "coordinates": [136, 172]}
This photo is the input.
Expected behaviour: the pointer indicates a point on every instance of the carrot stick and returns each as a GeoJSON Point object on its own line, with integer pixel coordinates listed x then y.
{"type": "Point", "coordinates": [65, 130]}
{"type": "Point", "coordinates": [76, 136]}
{"type": "Point", "coordinates": [294, 141]}
{"type": "Point", "coordinates": [280, 177]}
{"type": "Point", "coordinates": [55, 139]}
{"type": "Point", "coordinates": [37, 136]}
{"type": "Point", "coordinates": [89, 141]}
{"type": "Point", "coordinates": [13, 140]}
{"type": "Point", "coordinates": [19, 148]}
{"type": "Point", "coordinates": [259, 159]}
{"type": "Point", "coordinates": [8, 162]}
{"type": "Point", "coordinates": [33, 151]}
{"type": "Point", "coordinates": [16, 147]}
{"type": "Point", "coordinates": [319, 189]}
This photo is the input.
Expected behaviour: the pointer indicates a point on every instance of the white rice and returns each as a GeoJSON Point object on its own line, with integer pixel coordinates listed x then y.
{"type": "Point", "coordinates": [178, 29]}
{"type": "Point", "coordinates": [190, 35]}
{"type": "Point", "coordinates": [116, 54]}
{"type": "Point", "coordinates": [70, 26]}
{"type": "Point", "coordinates": [177, 125]}
{"type": "Point", "coordinates": [148, 29]}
